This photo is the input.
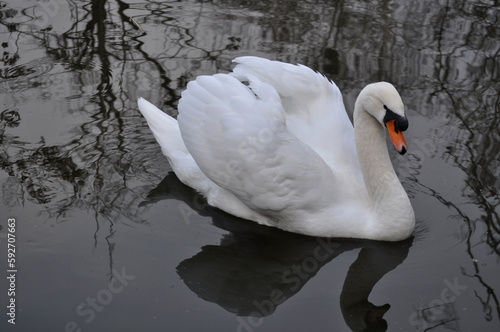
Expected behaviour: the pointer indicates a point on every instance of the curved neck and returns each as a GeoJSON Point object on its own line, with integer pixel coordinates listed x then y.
{"type": "Point", "coordinates": [372, 151]}
{"type": "Point", "coordinates": [389, 202]}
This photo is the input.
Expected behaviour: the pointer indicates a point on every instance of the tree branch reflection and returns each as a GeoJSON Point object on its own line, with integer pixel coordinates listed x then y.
{"type": "Point", "coordinates": [443, 57]}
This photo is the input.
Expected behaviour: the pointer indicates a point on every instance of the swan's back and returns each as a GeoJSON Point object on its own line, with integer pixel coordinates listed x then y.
{"type": "Point", "coordinates": [240, 141]}
{"type": "Point", "coordinates": [283, 148]}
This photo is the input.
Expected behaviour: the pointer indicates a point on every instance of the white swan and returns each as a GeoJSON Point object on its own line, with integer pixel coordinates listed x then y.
{"type": "Point", "coordinates": [271, 142]}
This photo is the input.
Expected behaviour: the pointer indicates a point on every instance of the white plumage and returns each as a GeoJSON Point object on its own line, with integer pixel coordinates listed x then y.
{"type": "Point", "coordinates": [271, 142]}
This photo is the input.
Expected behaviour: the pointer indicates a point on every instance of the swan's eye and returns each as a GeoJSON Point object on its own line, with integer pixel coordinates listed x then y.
{"type": "Point", "coordinates": [401, 123]}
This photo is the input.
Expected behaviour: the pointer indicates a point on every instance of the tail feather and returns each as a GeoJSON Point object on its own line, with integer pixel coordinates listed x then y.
{"type": "Point", "coordinates": [164, 127]}
{"type": "Point", "coordinates": [166, 131]}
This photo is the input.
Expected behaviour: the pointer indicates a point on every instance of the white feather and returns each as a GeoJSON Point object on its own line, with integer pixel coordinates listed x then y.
{"type": "Point", "coordinates": [271, 142]}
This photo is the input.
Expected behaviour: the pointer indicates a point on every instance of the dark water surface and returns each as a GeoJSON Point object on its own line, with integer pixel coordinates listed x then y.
{"type": "Point", "coordinates": [108, 240]}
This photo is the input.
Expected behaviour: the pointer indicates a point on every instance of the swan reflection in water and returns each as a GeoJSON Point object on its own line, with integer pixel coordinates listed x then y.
{"type": "Point", "coordinates": [256, 268]}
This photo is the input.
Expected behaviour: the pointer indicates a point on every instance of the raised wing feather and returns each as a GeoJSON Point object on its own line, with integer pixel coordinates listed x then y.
{"type": "Point", "coordinates": [238, 136]}
{"type": "Point", "coordinates": [314, 108]}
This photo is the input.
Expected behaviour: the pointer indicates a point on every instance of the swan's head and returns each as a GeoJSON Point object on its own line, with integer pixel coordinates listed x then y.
{"type": "Point", "coordinates": [384, 103]}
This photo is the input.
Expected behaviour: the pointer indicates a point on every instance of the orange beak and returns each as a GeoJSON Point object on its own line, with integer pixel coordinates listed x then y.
{"type": "Point", "coordinates": [397, 138]}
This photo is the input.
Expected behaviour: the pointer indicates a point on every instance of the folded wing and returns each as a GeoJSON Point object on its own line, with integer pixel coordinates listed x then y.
{"type": "Point", "coordinates": [237, 132]}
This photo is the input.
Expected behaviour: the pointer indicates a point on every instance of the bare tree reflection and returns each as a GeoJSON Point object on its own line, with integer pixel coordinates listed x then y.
{"type": "Point", "coordinates": [442, 56]}
{"type": "Point", "coordinates": [474, 107]}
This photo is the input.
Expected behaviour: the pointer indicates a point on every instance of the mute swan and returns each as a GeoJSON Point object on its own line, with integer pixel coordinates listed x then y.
{"type": "Point", "coordinates": [271, 142]}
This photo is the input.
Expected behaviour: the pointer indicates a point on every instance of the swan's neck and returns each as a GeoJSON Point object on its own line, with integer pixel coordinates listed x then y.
{"type": "Point", "coordinates": [389, 202]}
